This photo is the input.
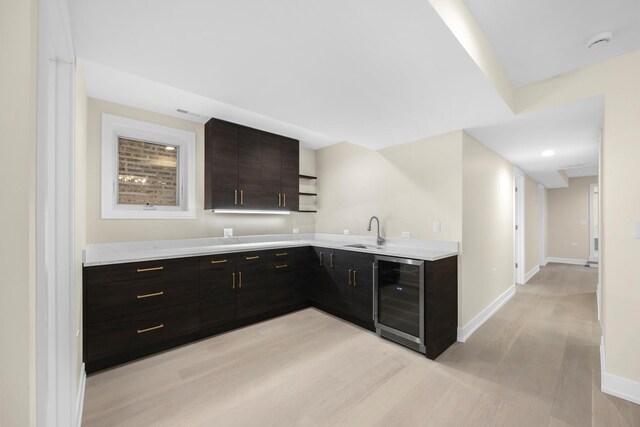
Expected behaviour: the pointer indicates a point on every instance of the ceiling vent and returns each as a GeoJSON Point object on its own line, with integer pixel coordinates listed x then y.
{"type": "Point", "coordinates": [599, 39]}
{"type": "Point", "coordinates": [575, 166]}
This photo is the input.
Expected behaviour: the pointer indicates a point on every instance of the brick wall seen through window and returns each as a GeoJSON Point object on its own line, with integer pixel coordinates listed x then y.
{"type": "Point", "coordinates": [147, 173]}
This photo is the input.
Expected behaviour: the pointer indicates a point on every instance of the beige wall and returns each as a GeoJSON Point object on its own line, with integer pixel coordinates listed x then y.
{"type": "Point", "coordinates": [18, 70]}
{"type": "Point", "coordinates": [80, 194]}
{"type": "Point", "coordinates": [568, 226]}
{"type": "Point", "coordinates": [206, 224]}
{"type": "Point", "coordinates": [486, 261]}
{"type": "Point", "coordinates": [531, 225]}
{"type": "Point", "coordinates": [618, 79]}
{"type": "Point", "coordinates": [451, 178]}
{"type": "Point", "coordinates": [407, 186]}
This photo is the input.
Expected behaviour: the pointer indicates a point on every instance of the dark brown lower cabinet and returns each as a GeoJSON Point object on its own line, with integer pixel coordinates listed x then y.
{"type": "Point", "coordinates": [251, 290]}
{"type": "Point", "coordinates": [218, 278]}
{"type": "Point", "coordinates": [136, 309]}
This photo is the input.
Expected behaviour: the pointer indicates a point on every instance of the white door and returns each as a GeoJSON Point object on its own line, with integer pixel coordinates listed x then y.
{"type": "Point", "coordinates": [594, 222]}
{"type": "Point", "coordinates": [518, 218]}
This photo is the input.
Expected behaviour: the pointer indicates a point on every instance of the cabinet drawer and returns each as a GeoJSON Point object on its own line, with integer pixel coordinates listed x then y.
{"type": "Point", "coordinates": [161, 269]}
{"type": "Point", "coordinates": [119, 299]}
{"type": "Point", "coordinates": [135, 332]}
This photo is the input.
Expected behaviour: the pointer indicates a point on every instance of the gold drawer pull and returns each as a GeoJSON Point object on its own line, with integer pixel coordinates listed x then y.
{"type": "Point", "coordinates": [157, 294]}
{"type": "Point", "coordinates": [241, 197]}
{"type": "Point", "coordinates": [252, 257]}
{"type": "Point", "coordinates": [233, 280]}
{"type": "Point", "coordinates": [282, 254]}
{"type": "Point", "coordinates": [153, 328]}
{"type": "Point", "coordinates": [281, 266]}
{"type": "Point", "coordinates": [354, 278]}
{"type": "Point", "coordinates": [284, 198]}
{"type": "Point", "coordinates": [279, 199]}
{"type": "Point", "coordinates": [142, 270]}
{"type": "Point", "coordinates": [235, 197]}
{"type": "Point", "coordinates": [240, 279]}
{"type": "Point", "coordinates": [221, 261]}
{"type": "Point", "coordinates": [350, 277]}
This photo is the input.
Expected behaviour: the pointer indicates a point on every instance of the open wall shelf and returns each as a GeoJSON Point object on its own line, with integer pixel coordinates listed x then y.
{"type": "Point", "coordinates": [311, 197]}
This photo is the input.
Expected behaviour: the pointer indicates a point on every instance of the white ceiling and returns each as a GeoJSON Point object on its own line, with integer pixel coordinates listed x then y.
{"type": "Point", "coordinates": [572, 131]}
{"type": "Point", "coordinates": [375, 72]}
{"type": "Point", "coordinates": [538, 39]}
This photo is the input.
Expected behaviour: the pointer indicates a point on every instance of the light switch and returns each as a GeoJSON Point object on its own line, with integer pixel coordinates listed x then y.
{"type": "Point", "coordinates": [228, 232]}
{"type": "Point", "coordinates": [345, 232]}
{"type": "Point", "coordinates": [583, 223]}
{"type": "Point", "coordinates": [406, 235]}
{"type": "Point", "coordinates": [436, 226]}
{"type": "Point", "coordinates": [296, 231]}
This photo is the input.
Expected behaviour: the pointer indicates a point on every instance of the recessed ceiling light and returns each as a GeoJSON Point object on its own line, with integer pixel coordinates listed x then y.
{"type": "Point", "coordinates": [548, 153]}
{"type": "Point", "coordinates": [599, 39]}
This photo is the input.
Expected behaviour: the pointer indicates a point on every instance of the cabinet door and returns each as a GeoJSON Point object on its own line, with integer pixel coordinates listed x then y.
{"type": "Point", "coordinates": [217, 289]}
{"type": "Point", "coordinates": [341, 274]}
{"type": "Point", "coordinates": [303, 257]}
{"type": "Point", "coordinates": [221, 160]}
{"type": "Point", "coordinates": [271, 171]}
{"type": "Point", "coordinates": [251, 288]}
{"type": "Point", "coordinates": [321, 279]}
{"type": "Point", "coordinates": [362, 285]}
{"type": "Point", "coordinates": [281, 272]}
{"type": "Point", "coordinates": [249, 161]}
{"type": "Point", "coordinates": [290, 174]}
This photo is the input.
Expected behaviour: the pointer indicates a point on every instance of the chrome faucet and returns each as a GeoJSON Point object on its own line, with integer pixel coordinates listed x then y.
{"type": "Point", "coordinates": [380, 240]}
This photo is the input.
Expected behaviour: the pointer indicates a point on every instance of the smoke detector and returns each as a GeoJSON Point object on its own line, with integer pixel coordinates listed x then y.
{"type": "Point", "coordinates": [599, 39]}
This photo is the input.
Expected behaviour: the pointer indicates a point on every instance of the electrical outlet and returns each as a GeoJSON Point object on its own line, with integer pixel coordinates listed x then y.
{"type": "Point", "coordinates": [436, 226]}
{"type": "Point", "coordinates": [228, 232]}
{"type": "Point", "coordinates": [296, 231]}
{"type": "Point", "coordinates": [583, 223]}
{"type": "Point", "coordinates": [406, 235]}
{"type": "Point", "coordinates": [346, 232]}
{"type": "Point", "coordinates": [494, 271]}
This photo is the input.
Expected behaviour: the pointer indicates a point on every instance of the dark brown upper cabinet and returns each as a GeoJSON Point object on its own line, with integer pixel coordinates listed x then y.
{"type": "Point", "coordinates": [248, 168]}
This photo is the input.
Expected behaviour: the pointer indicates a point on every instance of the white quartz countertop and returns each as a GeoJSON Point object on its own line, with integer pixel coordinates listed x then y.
{"type": "Point", "coordinates": [119, 253]}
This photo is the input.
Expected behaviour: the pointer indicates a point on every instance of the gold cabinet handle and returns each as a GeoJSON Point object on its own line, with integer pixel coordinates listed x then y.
{"type": "Point", "coordinates": [331, 260]}
{"type": "Point", "coordinates": [219, 261]}
{"type": "Point", "coordinates": [235, 197]}
{"type": "Point", "coordinates": [282, 254]}
{"type": "Point", "coordinates": [142, 270]}
{"type": "Point", "coordinates": [354, 278]}
{"type": "Point", "coordinates": [241, 197]}
{"type": "Point", "coordinates": [233, 280]}
{"type": "Point", "coordinates": [281, 266]}
{"type": "Point", "coordinates": [156, 294]}
{"type": "Point", "coordinates": [279, 199]}
{"type": "Point", "coordinates": [284, 198]}
{"type": "Point", "coordinates": [321, 254]}
{"type": "Point", "coordinates": [350, 277]}
{"type": "Point", "coordinates": [153, 328]}
{"type": "Point", "coordinates": [252, 257]}
{"type": "Point", "coordinates": [240, 279]}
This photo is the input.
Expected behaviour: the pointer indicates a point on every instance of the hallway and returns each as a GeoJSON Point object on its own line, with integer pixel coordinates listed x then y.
{"type": "Point", "coordinates": [535, 363]}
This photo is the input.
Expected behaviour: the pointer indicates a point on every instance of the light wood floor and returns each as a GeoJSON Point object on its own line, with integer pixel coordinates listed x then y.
{"type": "Point", "coordinates": [535, 363]}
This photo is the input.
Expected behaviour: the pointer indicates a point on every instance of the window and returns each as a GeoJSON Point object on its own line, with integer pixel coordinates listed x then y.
{"type": "Point", "coordinates": [148, 170]}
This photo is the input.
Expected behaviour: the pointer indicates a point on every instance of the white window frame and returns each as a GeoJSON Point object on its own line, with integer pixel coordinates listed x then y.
{"type": "Point", "coordinates": [114, 127]}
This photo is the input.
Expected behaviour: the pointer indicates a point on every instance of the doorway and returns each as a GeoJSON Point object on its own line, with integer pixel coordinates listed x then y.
{"type": "Point", "coordinates": [518, 219]}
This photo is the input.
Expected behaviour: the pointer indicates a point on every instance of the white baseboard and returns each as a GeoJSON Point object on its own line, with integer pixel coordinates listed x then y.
{"type": "Point", "coordinates": [545, 262]}
{"type": "Point", "coordinates": [467, 330]}
{"type": "Point", "coordinates": [531, 273]}
{"type": "Point", "coordinates": [80, 402]}
{"type": "Point", "coordinates": [573, 261]}
{"type": "Point", "coordinates": [614, 385]}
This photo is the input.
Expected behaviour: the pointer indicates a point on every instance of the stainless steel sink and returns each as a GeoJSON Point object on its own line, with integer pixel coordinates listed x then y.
{"type": "Point", "coordinates": [361, 246]}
